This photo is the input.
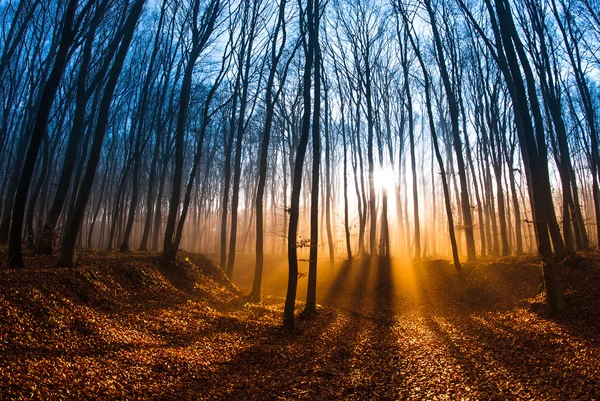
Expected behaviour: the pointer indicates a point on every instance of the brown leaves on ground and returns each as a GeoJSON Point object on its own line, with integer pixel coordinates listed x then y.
{"type": "Point", "coordinates": [119, 327]}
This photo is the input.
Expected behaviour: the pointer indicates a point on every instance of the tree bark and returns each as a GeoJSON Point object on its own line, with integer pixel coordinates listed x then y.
{"type": "Point", "coordinates": [294, 211]}
{"type": "Point", "coordinates": [311, 294]}
{"type": "Point", "coordinates": [74, 221]}
{"type": "Point", "coordinates": [15, 257]}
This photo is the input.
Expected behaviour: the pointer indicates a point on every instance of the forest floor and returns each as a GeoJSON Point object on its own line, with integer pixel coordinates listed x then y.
{"type": "Point", "coordinates": [118, 327]}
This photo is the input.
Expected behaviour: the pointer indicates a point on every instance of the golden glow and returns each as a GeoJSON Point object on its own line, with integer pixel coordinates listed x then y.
{"type": "Point", "coordinates": [384, 178]}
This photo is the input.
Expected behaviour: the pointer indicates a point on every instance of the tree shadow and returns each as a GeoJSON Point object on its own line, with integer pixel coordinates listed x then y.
{"type": "Point", "coordinates": [351, 288]}
{"type": "Point", "coordinates": [379, 371]}
{"type": "Point", "coordinates": [321, 360]}
{"type": "Point", "coordinates": [337, 287]}
{"type": "Point", "coordinates": [385, 290]}
{"type": "Point", "coordinates": [275, 364]}
{"type": "Point", "coordinates": [535, 360]}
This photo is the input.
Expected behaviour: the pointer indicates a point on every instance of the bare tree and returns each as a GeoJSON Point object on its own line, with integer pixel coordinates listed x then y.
{"type": "Point", "coordinates": [201, 32]}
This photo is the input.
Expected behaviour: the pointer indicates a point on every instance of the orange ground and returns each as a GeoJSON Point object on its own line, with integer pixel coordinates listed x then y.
{"type": "Point", "coordinates": [119, 328]}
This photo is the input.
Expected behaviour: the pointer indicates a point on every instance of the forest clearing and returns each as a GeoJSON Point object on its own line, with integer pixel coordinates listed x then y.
{"type": "Point", "coordinates": [118, 327]}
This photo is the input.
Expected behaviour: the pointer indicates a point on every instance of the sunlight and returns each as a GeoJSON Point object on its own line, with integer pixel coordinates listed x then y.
{"type": "Point", "coordinates": [354, 219]}
{"type": "Point", "coordinates": [385, 178]}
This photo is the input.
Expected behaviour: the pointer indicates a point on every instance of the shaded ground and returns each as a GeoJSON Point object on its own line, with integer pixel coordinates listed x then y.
{"type": "Point", "coordinates": [117, 327]}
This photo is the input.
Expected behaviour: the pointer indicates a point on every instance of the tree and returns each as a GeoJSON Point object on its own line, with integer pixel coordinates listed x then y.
{"type": "Point", "coordinates": [504, 48]}
{"type": "Point", "coordinates": [432, 128]}
{"type": "Point", "coordinates": [201, 32]}
{"type": "Point", "coordinates": [307, 32]}
{"type": "Point", "coordinates": [249, 33]}
{"type": "Point", "coordinates": [70, 26]}
{"type": "Point", "coordinates": [311, 295]}
{"type": "Point", "coordinates": [276, 51]}
{"type": "Point", "coordinates": [75, 219]}
{"type": "Point", "coordinates": [454, 118]}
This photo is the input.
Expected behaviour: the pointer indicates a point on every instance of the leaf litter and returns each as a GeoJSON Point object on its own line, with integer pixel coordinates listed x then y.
{"type": "Point", "coordinates": [118, 327]}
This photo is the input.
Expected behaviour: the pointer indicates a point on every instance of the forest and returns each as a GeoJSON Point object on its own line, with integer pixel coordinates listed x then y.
{"type": "Point", "coordinates": [316, 199]}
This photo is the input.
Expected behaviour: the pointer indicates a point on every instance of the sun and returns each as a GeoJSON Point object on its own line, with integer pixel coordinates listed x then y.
{"type": "Point", "coordinates": [384, 178]}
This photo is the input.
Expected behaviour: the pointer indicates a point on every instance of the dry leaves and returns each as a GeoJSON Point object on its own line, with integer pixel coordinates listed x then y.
{"type": "Point", "coordinates": [118, 327]}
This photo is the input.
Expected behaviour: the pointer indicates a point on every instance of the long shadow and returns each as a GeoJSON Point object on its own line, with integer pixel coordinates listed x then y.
{"type": "Point", "coordinates": [357, 348]}
{"type": "Point", "coordinates": [339, 282]}
{"type": "Point", "coordinates": [300, 365]}
{"type": "Point", "coordinates": [573, 374]}
{"type": "Point", "coordinates": [388, 361]}
{"type": "Point", "coordinates": [373, 360]}
{"type": "Point", "coordinates": [348, 286]}
{"type": "Point", "coordinates": [364, 357]}
{"type": "Point", "coordinates": [354, 297]}
{"type": "Point", "coordinates": [500, 358]}
{"type": "Point", "coordinates": [528, 359]}
{"type": "Point", "coordinates": [437, 286]}
{"type": "Point", "coordinates": [277, 364]}
{"type": "Point", "coordinates": [352, 343]}
{"type": "Point", "coordinates": [385, 290]}
{"type": "Point", "coordinates": [475, 377]}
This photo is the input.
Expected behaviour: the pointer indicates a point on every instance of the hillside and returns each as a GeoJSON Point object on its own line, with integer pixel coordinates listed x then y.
{"type": "Point", "coordinates": [119, 327]}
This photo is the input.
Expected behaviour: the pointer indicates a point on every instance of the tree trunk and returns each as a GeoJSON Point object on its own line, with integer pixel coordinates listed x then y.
{"type": "Point", "coordinates": [290, 298]}
{"type": "Point", "coordinates": [454, 117]}
{"type": "Point", "coordinates": [200, 36]}
{"type": "Point", "coordinates": [36, 192]}
{"type": "Point", "coordinates": [74, 222]}
{"type": "Point", "coordinates": [264, 152]}
{"type": "Point", "coordinates": [237, 168]}
{"type": "Point", "coordinates": [328, 198]}
{"type": "Point", "coordinates": [311, 295]}
{"type": "Point", "coordinates": [413, 163]}
{"type": "Point", "coordinates": [15, 258]}
{"type": "Point", "coordinates": [77, 129]}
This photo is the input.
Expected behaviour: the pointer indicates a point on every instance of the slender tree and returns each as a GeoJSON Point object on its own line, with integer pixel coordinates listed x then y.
{"type": "Point", "coordinates": [70, 26]}
{"type": "Point", "coordinates": [201, 32]}
{"type": "Point", "coordinates": [308, 43]}
{"type": "Point", "coordinates": [75, 219]}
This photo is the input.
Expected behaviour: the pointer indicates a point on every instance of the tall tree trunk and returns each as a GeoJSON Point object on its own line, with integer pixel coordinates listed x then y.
{"type": "Point", "coordinates": [100, 201]}
{"type": "Point", "coordinates": [505, 39]}
{"type": "Point", "coordinates": [141, 142]}
{"type": "Point", "coordinates": [45, 166]}
{"type": "Point", "coordinates": [227, 181]}
{"type": "Point", "coordinates": [82, 97]}
{"type": "Point", "coordinates": [515, 199]}
{"type": "Point", "coordinates": [15, 257]}
{"type": "Point", "coordinates": [200, 36]}
{"type": "Point", "coordinates": [264, 152]}
{"type": "Point", "coordinates": [237, 168]}
{"type": "Point", "coordinates": [311, 294]}
{"type": "Point", "coordinates": [370, 160]}
{"type": "Point", "coordinates": [124, 247]}
{"type": "Point", "coordinates": [569, 33]}
{"type": "Point", "coordinates": [119, 204]}
{"type": "Point", "coordinates": [206, 117]}
{"type": "Point", "coordinates": [454, 117]}
{"type": "Point", "coordinates": [150, 196]}
{"type": "Point", "coordinates": [74, 222]}
{"type": "Point", "coordinates": [438, 155]}
{"type": "Point", "coordinates": [157, 224]}
{"type": "Point", "coordinates": [328, 198]}
{"type": "Point", "coordinates": [345, 166]}
{"type": "Point", "coordinates": [292, 287]}
{"type": "Point", "coordinates": [413, 163]}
